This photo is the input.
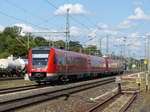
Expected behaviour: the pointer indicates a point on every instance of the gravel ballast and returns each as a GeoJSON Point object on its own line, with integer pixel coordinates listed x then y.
{"type": "Point", "coordinates": [75, 103]}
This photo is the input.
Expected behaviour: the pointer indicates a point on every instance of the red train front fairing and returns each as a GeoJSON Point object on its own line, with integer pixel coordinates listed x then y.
{"type": "Point", "coordinates": [41, 64]}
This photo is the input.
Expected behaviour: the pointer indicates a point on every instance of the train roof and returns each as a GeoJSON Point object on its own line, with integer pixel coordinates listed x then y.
{"type": "Point", "coordinates": [62, 50]}
{"type": "Point", "coordinates": [72, 52]}
{"type": "Point", "coordinates": [42, 48]}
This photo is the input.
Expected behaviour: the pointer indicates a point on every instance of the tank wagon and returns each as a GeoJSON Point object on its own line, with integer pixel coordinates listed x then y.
{"type": "Point", "coordinates": [50, 64]}
{"type": "Point", "coordinates": [18, 66]}
{"type": "Point", "coordinates": [10, 67]}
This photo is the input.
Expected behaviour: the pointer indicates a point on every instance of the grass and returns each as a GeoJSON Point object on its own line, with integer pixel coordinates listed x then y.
{"type": "Point", "coordinates": [143, 98]}
{"type": "Point", "coordinates": [15, 83]}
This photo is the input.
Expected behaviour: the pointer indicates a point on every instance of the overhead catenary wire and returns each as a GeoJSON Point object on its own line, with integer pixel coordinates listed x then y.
{"type": "Point", "coordinates": [77, 21]}
{"type": "Point", "coordinates": [35, 25]}
{"type": "Point", "coordinates": [71, 17]}
{"type": "Point", "coordinates": [90, 21]}
{"type": "Point", "coordinates": [30, 13]}
{"type": "Point", "coordinates": [26, 11]}
{"type": "Point", "coordinates": [18, 19]}
{"type": "Point", "coordinates": [51, 4]}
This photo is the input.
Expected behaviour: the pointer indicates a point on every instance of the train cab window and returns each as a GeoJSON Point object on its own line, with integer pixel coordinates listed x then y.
{"type": "Point", "coordinates": [39, 62]}
{"type": "Point", "coordinates": [40, 58]}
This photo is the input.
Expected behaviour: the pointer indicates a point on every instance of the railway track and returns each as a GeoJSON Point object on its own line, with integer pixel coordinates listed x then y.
{"type": "Point", "coordinates": [11, 78]}
{"type": "Point", "coordinates": [20, 88]}
{"type": "Point", "coordinates": [109, 105]}
{"type": "Point", "coordinates": [101, 104]}
{"type": "Point", "coordinates": [113, 102]}
{"type": "Point", "coordinates": [12, 104]}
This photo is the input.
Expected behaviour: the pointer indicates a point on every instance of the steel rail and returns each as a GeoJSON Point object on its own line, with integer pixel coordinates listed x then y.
{"type": "Point", "coordinates": [126, 106]}
{"type": "Point", "coordinates": [19, 88]}
{"type": "Point", "coordinates": [49, 95]}
{"type": "Point", "coordinates": [11, 78]}
{"type": "Point", "coordinates": [122, 109]}
{"type": "Point", "coordinates": [94, 108]}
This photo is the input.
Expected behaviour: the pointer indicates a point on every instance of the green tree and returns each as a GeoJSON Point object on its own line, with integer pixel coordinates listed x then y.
{"type": "Point", "coordinates": [40, 41]}
{"type": "Point", "coordinates": [12, 31]}
{"type": "Point", "coordinates": [75, 46]}
{"type": "Point", "coordinates": [59, 44]}
{"type": "Point", "coordinates": [92, 50]}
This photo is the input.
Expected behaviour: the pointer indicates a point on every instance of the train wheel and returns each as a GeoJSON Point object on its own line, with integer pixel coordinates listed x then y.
{"type": "Point", "coordinates": [45, 83]}
{"type": "Point", "coordinates": [39, 83]}
{"type": "Point", "coordinates": [64, 78]}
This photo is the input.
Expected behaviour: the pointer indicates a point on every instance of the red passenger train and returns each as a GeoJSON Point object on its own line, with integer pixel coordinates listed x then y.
{"type": "Point", "coordinates": [50, 64]}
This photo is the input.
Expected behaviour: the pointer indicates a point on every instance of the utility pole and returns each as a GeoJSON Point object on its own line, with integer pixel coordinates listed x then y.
{"type": "Point", "coordinates": [107, 44]}
{"type": "Point", "coordinates": [67, 30]}
{"type": "Point", "coordinates": [148, 53]}
{"type": "Point", "coordinates": [100, 43]}
{"type": "Point", "coordinates": [67, 37]}
{"type": "Point", "coordinates": [124, 45]}
{"type": "Point", "coordinates": [121, 54]}
{"type": "Point", "coordinates": [28, 42]}
{"type": "Point", "coordinates": [146, 57]}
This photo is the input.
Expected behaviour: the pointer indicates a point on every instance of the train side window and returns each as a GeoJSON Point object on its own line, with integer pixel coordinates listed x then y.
{"type": "Point", "coordinates": [59, 60]}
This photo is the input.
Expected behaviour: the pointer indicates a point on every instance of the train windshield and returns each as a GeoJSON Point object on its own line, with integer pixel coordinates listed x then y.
{"type": "Point", "coordinates": [40, 58]}
{"type": "Point", "coordinates": [39, 62]}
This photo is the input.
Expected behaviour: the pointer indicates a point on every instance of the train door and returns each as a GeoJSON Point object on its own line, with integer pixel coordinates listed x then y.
{"type": "Point", "coordinates": [88, 65]}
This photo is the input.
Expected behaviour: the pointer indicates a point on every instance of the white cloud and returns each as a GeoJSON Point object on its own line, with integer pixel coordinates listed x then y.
{"type": "Point", "coordinates": [103, 26]}
{"type": "Point", "coordinates": [126, 24]}
{"type": "Point", "coordinates": [134, 41]}
{"type": "Point", "coordinates": [120, 39]}
{"type": "Point", "coordinates": [93, 33]}
{"type": "Point", "coordinates": [1, 28]}
{"type": "Point", "coordinates": [136, 44]}
{"type": "Point", "coordinates": [139, 15]}
{"type": "Point", "coordinates": [135, 35]}
{"type": "Point", "coordinates": [74, 31]}
{"type": "Point", "coordinates": [25, 28]}
{"type": "Point", "coordinates": [137, 3]}
{"type": "Point", "coordinates": [55, 37]}
{"type": "Point", "coordinates": [107, 32]}
{"type": "Point", "coordinates": [76, 9]}
{"type": "Point", "coordinates": [148, 34]}
{"type": "Point", "coordinates": [110, 32]}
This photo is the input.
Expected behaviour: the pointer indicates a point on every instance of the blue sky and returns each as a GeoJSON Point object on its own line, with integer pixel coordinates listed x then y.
{"type": "Point", "coordinates": [89, 19]}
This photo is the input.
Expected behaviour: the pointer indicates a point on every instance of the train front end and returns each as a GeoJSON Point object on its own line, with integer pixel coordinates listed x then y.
{"type": "Point", "coordinates": [41, 67]}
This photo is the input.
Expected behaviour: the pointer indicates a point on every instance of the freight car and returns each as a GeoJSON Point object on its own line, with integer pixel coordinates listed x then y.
{"type": "Point", "coordinates": [13, 67]}
{"type": "Point", "coordinates": [50, 64]}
